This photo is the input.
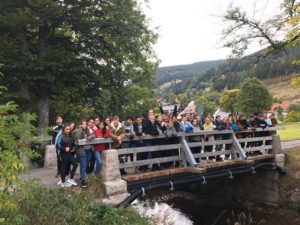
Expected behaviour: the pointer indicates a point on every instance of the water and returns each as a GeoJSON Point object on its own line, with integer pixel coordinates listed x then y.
{"type": "Point", "coordinates": [207, 206]}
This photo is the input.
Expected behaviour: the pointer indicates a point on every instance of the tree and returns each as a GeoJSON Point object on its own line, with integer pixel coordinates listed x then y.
{"type": "Point", "coordinates": [254, 97]}
{"type": "Point", "coordinates": [88, 48]}
{"type": "Point", "coordinates": [209, 101]}
{"type": "Point", "coordinates": [229, 100]}
{"type": "Point", "coordinates": [274, 33]}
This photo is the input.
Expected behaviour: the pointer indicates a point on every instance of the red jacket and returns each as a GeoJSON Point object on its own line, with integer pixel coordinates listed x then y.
{"type": "Point", "coordinates": [98, 134]}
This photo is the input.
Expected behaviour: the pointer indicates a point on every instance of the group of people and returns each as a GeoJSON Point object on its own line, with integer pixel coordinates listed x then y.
{"type": "Point", "coordinates": [66, 138]}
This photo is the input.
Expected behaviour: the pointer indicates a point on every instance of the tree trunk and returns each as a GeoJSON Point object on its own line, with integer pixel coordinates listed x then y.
{"type": "Point", "coordinates": [43, 113]}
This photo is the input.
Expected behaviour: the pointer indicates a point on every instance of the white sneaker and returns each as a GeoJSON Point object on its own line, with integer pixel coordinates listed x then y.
{"type": "Point", "coordinates": [72, 182]}
{"type": "Point", "coordinates": [66, 184]}
{"type": "Point", "coordinates": [59, 182]}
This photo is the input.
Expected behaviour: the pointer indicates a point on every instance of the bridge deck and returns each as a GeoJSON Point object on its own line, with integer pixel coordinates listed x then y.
{"type": "Point", "coordinates": [203, 168]}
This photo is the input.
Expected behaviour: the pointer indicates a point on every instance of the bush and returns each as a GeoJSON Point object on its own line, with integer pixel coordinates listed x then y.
{"type": "Point", "coordinates": [36, 204]}
{"type": "Point", "coordinates": [293, 117]}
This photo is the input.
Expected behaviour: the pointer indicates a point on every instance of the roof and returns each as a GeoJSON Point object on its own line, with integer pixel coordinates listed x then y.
{"type": "Point", "coordinates": [283, 105]}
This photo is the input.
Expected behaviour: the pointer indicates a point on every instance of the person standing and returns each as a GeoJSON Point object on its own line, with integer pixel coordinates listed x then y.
{"type": "Point", "coordinates": [83, 132]}
{"type": "Point", "coordinates": [55, 132]}
{"type": "Point", "coordinates": [117, 133]}
{"type": "Point", "coordinates": [102, 132]}
{"type": "Point", "coordinates": [65, 145]}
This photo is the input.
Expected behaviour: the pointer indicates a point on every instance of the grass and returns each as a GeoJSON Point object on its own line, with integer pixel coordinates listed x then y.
{"type": "Point", "coordinates": [291, 132]}
{"type": "Point", "coordinates": [293, 159]}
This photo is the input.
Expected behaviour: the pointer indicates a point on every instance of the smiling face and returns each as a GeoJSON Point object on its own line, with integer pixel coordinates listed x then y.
{"type": "Point", "coordinates": [84, 125]}
{"type": "Point", "coordinates": [91, 123]}
{"type": "Point", "coordinates": [207, 120]}
{"type": "Point", "coordinates": [67, 130]}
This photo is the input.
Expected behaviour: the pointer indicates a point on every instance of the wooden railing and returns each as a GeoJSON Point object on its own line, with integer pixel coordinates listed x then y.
{"type": "Point", "coordinates": [181, 147]}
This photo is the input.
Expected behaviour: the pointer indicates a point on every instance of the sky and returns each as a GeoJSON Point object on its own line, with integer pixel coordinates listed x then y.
{"type": "Point", "coordinates": [190, 30]}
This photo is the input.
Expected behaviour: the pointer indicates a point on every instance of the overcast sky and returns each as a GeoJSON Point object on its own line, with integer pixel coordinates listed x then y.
{"type": "Point", "coordinates": [190, 29]}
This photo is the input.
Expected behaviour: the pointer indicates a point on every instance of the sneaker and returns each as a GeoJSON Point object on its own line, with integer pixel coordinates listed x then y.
{"type": "Point", "coordinates": [66, 184]}
{"type": "Point", "coordinates": [72, 181]}
{"type": "Point", "coordinates": [83, 184]}
{"type": "Point", "coordinates": [59, 182]}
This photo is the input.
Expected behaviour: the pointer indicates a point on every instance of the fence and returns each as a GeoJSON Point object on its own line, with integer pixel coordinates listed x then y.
{"type": "Point", "coordinates": [193, 149]}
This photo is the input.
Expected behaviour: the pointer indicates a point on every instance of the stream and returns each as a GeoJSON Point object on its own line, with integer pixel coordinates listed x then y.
{"type": "Point", "coordinates": [266, 198]}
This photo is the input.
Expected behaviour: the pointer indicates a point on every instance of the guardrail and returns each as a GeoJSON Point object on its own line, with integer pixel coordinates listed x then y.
{"type": "Point", "coordinates": [183, 149]}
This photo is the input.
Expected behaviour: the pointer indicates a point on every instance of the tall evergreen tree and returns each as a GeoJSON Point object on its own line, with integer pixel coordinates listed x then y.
{"type": "Point", "coordinates": [88, 48]}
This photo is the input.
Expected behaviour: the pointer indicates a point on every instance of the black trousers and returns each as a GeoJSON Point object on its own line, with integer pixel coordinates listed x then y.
{"type": "Point", "coordinates": [67, 157]}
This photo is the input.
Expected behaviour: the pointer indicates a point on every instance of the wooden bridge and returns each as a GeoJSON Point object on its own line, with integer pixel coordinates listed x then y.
{"type": "Point", "coordinates": [242, 148]}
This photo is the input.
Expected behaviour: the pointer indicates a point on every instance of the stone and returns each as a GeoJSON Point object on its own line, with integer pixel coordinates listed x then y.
{"type": "Point", "coordinates": [276, 144]}
{"type": "Point", "coordinates": [280, 160]}
{"type": "Point", "coordinates": [110, 166]}
{"type": "Point", "coordinates": [115, 199]}
{"type": "Point", "coordinates": [50, 159]}
{"type": "Point", "coordinates": [115, 187]}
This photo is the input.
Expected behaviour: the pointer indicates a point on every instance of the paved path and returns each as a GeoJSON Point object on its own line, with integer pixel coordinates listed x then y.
{"type": "Point", "coordinates": [45, 175]}
{"type": "Point", "coordinates": [290, 144]}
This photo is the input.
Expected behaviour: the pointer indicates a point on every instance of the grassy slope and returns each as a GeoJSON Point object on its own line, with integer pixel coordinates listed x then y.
{"type": "Point", "coordinates": [281, 88]}
{"type": "Point", "coordinates": [291, 132]}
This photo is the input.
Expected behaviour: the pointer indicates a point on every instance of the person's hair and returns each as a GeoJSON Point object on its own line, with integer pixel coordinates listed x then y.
{"type": "Point", "coordinates": [194, 120]}
{"type": "Point", "coordinates": [64, 135]}
{"type": "Point", "coordinates": [104, 127]}
{"type": "Point", "coordinates": [129, 118]}
{"type": "Point", "coordinates": [218, 116]}
{"type": "Point", "coordinates": [56, 118]}
{"type": "Point", "coordinates": [137, 117]}
{"type": "Point", "coordinates": [116, 117]}
{"type": "Point", "coordinates": [90, 118]}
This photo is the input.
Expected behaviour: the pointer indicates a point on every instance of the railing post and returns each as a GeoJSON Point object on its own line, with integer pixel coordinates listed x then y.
{"type": "Point", "coordinates": [238, 148]}
{"type": "Point", "coordinates": [276, 144]}
{"type": "Point", "coordinates": [187, 152]}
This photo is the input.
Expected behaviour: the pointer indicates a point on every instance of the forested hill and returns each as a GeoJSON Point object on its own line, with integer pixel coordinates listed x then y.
{"type": "Point", "coordinates": [183, 72]}
{"type": "Point", "coordinates": [223, 75]}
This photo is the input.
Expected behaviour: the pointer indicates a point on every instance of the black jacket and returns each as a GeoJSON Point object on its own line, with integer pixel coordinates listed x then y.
{"type": "Point", "coordinates": [262, 124]}
{"type": "Point", "coordinates": [151, 128]}
{"type": "Point", "coordinates": [136, 129]}
{"type": "Point", "coordinates": [244, 124]}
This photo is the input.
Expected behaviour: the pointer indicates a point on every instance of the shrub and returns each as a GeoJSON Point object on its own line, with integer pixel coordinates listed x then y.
{"type": "Point", "coordinates": [293, 117]}
{"type": "Point", "coordinates": [38, 205]}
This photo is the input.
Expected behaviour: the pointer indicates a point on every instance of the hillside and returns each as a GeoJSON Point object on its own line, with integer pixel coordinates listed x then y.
{"type": "Point", "coordinates": [183, 72]}
{"type": "Point", "coordinates": [282, 89]}
{"type": "Point", "coordinates": [223, 74]}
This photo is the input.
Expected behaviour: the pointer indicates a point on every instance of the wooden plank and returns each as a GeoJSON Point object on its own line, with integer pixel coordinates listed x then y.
{"type": "Point", "coordinates": [202, 133]}
{"type": "Point", "coordinates": [267, 138]}
{"type": "Point", "coordinates": [225, 163]}
{"type": "Point", "coordinates": [262, 157]}
{"type": "Point", "coordinates": [154, 148]}
{"type": "Point", "coordinates": [207, 154]}
{"type": "Point", "coordinates": [150, 161]}
{"type": "Point", "coordinates": [258, 148]}
{"type": "Point", "coordinates": [162, 173]}
{"type": "Point", "coordinates": [209, 143]}
{"type": "Point", "coordinates": [262, 130]}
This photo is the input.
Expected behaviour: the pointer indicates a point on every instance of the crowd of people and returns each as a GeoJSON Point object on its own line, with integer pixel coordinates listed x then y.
{"type": "Point", "coordinates": [69, 153]}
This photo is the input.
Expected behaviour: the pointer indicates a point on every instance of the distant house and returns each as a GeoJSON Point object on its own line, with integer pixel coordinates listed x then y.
{"type": "Point", "coordinates": [284, 108]}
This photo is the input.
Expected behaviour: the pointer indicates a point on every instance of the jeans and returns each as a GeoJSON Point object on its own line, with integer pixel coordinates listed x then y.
{"type": "Point", "coordinates": [65, 159]}
{"type": "Point", "coordinates": [82, 161]}
{"type": "Point", "coordinates": [89, 154]}
{"type": "Point", "coordinates": [98, 157]}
